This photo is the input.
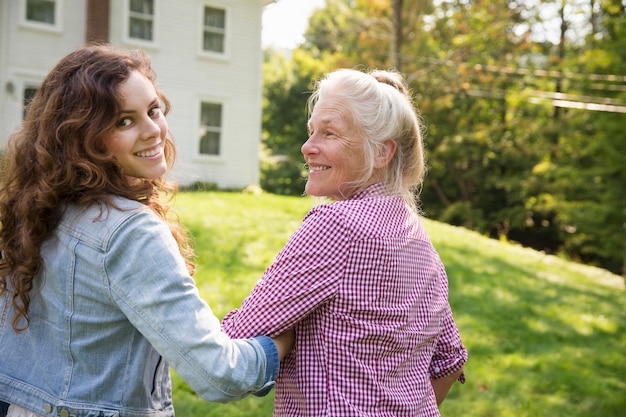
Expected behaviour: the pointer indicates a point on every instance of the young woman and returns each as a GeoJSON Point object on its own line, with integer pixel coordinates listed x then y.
{"type": "Point", "coordinates": [96, 295]}
{"type": "Point", "coordinates": [360, 280]}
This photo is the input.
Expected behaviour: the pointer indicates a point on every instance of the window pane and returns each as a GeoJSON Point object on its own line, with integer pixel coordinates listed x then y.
{"type": "Point", "coordinates": [213, 42]}
{"type": "Point", "coordinates": [215, 18]}
{"type": "Point", "coordinates": [142, 6]}
{"type": "Point", "coordinates": [40, 11]}
{"type": "Point", "coordinates": [29, 93]}
{"type": "Point", "coordinates": [211, 128]}
{"type": "Point", "coordinates": [210, 143]}
{"type": "Point", "coordinates": [211, 115]}
{"type": "Point", "coordinates": [140, 28]}
{"type": "Point", "coordinates": [140, 24]}
{"type": "Point", "coordinates": [214, 29]}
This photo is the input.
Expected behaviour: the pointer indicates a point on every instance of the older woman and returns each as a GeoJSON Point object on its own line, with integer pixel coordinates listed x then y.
{"type": "Point", "coordinates": [359, 280]}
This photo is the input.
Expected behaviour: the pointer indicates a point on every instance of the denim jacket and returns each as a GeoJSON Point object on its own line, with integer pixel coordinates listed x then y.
{"type": "Point", "coordinates": [112, 307]}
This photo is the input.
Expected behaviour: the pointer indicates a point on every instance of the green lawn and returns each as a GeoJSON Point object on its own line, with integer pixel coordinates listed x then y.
{"type": "Point", "coordinates": [545, 337]}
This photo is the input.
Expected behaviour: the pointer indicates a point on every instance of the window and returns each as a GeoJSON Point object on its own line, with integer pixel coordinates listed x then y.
{"type": "Point", "coordinates": [41, 11]}
{"type": "Point", "coordinates": [210, 128]}
{"type": "Point", "coordinates": [29, 93]}
{"type": "Point", "coordinates": [214, 29]}
{"type": "Point", "coordinates": [141, 20]}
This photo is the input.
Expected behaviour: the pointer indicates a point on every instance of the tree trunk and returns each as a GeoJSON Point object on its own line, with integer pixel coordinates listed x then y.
{"type": "Point", "coordinates": [561, 53]}
{"type": "Point", "coordinates": [624, 257]}
{"type": "Point", "coordinates": [593, 17]}
{"type": "Point", "coordinates": [396, 53]}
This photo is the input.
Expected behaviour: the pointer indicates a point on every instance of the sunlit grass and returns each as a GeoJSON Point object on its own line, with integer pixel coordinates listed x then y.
{"type": "Point", "coordinates": [236, 236]}
{"type": "Point", "coordinates": [546, 337]}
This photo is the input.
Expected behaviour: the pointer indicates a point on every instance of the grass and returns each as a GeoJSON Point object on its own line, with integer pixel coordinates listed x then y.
{"type": "Point", "coordinates": [546, 337]}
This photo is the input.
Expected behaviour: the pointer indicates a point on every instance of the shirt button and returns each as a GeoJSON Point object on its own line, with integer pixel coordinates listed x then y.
{"type": "Point", "coordinates": [64, 413]}
{"type": "Point", "coordinates": [437, 369]}
{"type": "Point", "coordinates": [47, 408]}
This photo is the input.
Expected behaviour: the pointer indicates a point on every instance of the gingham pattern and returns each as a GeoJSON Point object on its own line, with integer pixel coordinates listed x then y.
{"type": "Point", "coordinates": [368, 296]}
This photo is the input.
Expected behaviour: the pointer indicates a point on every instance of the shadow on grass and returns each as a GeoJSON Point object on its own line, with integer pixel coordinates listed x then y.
{"type": "Point", "coordinates": [538, 345]}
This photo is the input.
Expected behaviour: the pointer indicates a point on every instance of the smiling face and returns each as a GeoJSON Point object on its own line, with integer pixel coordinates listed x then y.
{"type": "Point", "coordinates": [139, 136]}
{"type": "Point", "coordinates": [334, 151]}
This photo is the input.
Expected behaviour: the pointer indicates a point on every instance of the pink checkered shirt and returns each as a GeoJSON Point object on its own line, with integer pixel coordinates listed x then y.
{"type": "Point", "coordinates": [368, 296]}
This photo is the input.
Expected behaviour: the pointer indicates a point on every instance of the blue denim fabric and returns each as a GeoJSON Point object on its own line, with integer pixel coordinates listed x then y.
{"type": "Point", "coordinates": [112, 308]}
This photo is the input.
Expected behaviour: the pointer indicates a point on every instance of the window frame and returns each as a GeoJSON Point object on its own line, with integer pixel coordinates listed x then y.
{"type": "Point", "coordinates": [127, 15]}
{"type": "Point", "coordinates": [28, 86]}
{"type": "Point", "coordinates": [55, 27]}
{"type": "Point", "coordinates": [226, 33]}
{"type": "Point", "coordinates": [220, 129]}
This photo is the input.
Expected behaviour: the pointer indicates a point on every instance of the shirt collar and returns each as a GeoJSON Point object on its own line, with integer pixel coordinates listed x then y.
{"type": "Point", "coordinates": [376, 189]}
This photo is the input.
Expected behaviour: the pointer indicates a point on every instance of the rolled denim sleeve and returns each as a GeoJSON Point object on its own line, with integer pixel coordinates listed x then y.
{"type": "Point", "coordinates": [273, 364]}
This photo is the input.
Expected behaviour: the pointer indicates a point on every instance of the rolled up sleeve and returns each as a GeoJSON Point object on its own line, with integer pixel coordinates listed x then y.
{"type": "Point", "coordinates": [450, 355]}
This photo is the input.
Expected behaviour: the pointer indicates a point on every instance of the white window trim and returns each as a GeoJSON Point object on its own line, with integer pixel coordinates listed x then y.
{"type": "Point", "coordinates": [205, 157]}
{"type": "Point", "coordinates": [143, 43]}
{"type": "Point", "coordinates": [25, 86]}
{"type": "Point", "coordinates": [57, 27]}
{"type": "Point", "coordinates": [219, 56]}
{"type": "Point", "coordinates": [20, 80]}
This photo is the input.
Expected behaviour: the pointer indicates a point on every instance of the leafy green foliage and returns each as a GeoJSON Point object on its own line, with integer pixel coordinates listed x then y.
{"type": "Point", "coordinates": [281, 175]}
{"type": "Point", "coordinates": [286, 89]}
{"type": "Point", "coordinates": [545, 336]}
{"type": "Point", "coordinates": [503, 159]}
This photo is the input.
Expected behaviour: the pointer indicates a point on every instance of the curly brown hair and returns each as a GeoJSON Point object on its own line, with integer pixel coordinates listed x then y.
{"type": "Point", "coordinates": [59, 155]}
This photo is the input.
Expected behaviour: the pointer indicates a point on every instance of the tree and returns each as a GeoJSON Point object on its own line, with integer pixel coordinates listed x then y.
{"type": "Point", "coordinates": [509, 152]}
{"type": "Point", "coordinates": [592, 172]}
{"type": "Point", "coordinates": [287, 83]}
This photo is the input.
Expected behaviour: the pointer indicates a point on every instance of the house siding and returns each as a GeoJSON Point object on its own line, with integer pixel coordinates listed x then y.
{"type": "Point", "coordinates": [186, 76]}
{"type": "Point", "coordinates": [28, 52]}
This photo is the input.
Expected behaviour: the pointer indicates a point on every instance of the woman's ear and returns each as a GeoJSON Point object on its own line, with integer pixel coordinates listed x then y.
{"type": "Point", "coordinates": [387, 151]}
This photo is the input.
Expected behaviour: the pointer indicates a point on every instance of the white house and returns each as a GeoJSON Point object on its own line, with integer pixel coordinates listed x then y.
{"type": "Point", "coordinates": [207, 55]}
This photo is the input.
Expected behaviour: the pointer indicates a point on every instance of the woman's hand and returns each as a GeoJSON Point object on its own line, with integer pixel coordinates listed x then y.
{"type": "Point", "coordinates": [284, 342]}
